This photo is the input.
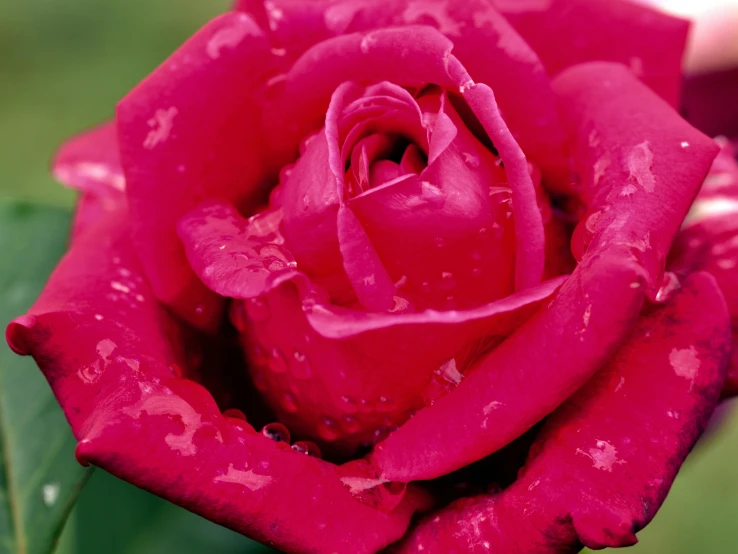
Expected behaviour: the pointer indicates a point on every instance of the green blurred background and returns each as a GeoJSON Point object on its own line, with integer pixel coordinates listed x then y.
{"type": "Point", "coordinates": [63, 66]}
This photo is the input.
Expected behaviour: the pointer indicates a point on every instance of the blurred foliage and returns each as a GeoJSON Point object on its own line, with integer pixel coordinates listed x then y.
{"type": "Point", "coordinates": [63, 67]}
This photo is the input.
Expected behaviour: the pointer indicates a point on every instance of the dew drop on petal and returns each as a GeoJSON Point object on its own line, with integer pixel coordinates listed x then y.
{"type": "Point", "coordinates": [348, 405]}
{"type": "Point", "coordinates": [669, 285]}
{"type": "Point", "coordinates": [176, 370]}
{"type": "Point", "coordinates": [308, 448]}
{"type": "Point", "coordinates": [276, 362]}
{"type": "Point", "coordinates": [235, 413]}
{"type": "Point", "coordinates": [301, 367]}
{"type": "Point", "coordinates": [350, 424]}
{"type": "Point", "coordinates": [328, 429]}
{"type": "Point", "coordinates": [276, 432]}
{"type": "Point", "coordinates": [289, 403]}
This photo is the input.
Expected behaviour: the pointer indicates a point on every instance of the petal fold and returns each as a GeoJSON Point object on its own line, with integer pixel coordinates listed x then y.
{"type": "Point", "coordinates": [605, 461]}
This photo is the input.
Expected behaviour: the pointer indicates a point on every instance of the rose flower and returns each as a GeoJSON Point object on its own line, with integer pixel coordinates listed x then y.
{"type": "Point", "coordinates": [328, 289]}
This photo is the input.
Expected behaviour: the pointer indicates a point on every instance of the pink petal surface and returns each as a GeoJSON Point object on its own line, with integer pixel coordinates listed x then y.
{"type": "Point", "coordinates": [605, 460]}
{"type": "Point", "coordinates": [640, 164]}
{"type": "Point", "coordinates": [361, 57]}
{"type": "Point", "coordinates": [99, 336]}
{"type": "Point", "coordinates": [91, 161]}
{"type": "Point", "coordinates": [484, 42]}
{"type": "Point", "coordinates": [569, 32]}
{"type": "Point", "coordinates": [187, 133]}
{"type": "Point", "coordinates": [606, 112]}
{"type": "Point", "coordinates": [309, 357]}
{"type": "Point", "coordinates": [709, 241]}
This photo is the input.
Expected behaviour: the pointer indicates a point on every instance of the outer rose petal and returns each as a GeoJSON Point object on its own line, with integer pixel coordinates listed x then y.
{"type": "Point", "coordinates": [641, 165]}
{"type": "Point", "coordinates": [187, 133]}
{"type": "Point", "coordinates": [709, 241]}
{"type": "Point", "coordinates": [609, 112]}
{"type": "Point", "coordinates": [568, 32]}
{"type": "Point", "coordinates": [91, 161]}
{"type": "Point", "coordinates": [96, 334]}
{"type": "Point", "coordinates": [606, 459]}
{"type": "Point", "coordinates": [483, 41]}
{"type": "Point", "coordinates": [318, 363]}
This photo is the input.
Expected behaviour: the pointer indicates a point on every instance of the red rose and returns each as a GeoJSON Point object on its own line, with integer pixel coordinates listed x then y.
{"type": "Point", "coordinates": [316, 224]}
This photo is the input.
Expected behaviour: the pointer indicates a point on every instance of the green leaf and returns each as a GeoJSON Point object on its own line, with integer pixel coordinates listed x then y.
{"type": "Point", "coordinates": [39, 476]}
{"type": "Point", "coordinates": [115, 517]}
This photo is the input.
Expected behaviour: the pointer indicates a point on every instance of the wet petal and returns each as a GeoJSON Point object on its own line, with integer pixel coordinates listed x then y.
{"type": "Point", "coordinates": [568, 32]}
{"type": "Point", "coordinates": [709, 241]}
{"type": "Point", "coordinates": [490, 48]}
{"type": "Point", "coordinates": [604, 462]}
{"type": "Point", "coordinates": [91, 162]}
{"type": "Point", "coordinates": [641, 164]}
{"type": "Point", "coordinates": [514, 387]}
{"type": "Point", "coordinates": [97, 334]}
{"type": "Point", "coordinates": [189, 132]}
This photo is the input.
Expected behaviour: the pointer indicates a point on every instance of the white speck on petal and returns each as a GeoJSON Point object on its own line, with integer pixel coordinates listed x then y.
{"type": "Point", "coordinates": [160, 127]}
{"type": "Point", "coordinates": [603, 456]}
{"type": "Point", "coordinates": [640, 161]}
{"type": "Point", "coordinates": [685, 362]}
{"type": "Point", "coordinates": [230, 37]}
{"type": "Point", "coordinates": [247, 478]}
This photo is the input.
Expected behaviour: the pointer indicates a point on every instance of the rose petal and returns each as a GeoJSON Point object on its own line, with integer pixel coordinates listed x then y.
{"type": "Point", "coordinates": [457, 247]}
{"type": "Point", "coordinates": [640, 164]}
{"type": "Point", "coordinates": [91, 162]}
{"type": "Point", "coordinates": [187, 133]}
{"type": "Point", "coordinates": [568, 32]}
{"type": "Point", "coordinates": [605, 460]}
{"type": "Point", "coordinates": [709, 241]}
{"type": "Point", "coordinates": [516, 386]}
{"type": "Point", "coordinates": [490, 48]}
{"type": "Point", "coordinates": [95, 333]}
{"type": "Point", "coordinates": [345, 376]}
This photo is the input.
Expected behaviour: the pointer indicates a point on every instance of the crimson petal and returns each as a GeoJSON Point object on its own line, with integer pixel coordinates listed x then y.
{"type": "Point", "coordinates": [96, 333]}
{"type": "Point", "coordinates": [309, 357]}
{"type": "Point", "coordinates": [484, 42]}
{"type": "Point", "coordinates": [569, 32]}
{"type": "Point", "coordinates": [623, 250]}
{"type": "Point", "coordinates": [605, 461]}
{"type": "Point", "coordinates": [176, 154]}
{"type": "Point", "coordinates": [709, 241]}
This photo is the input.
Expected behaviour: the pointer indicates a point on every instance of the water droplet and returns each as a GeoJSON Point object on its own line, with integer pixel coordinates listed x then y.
{"type": "Point", "coordinates": [258, 309]}
{"type": "Point", "coordinates": [669, 285]}
{"type": "Point", "coordinates": [440, 242]}
{"type": "Point", "coordinates": [385, 404]}
{"type": "Point", "coordinates": [235, 413]}
{"type": "Point", "coordinates": [447, 281]}
{"type": "Point", "coordinates": [425, 287]}
{"type": "Point", "coordinates": [366, 486]}
{"type": "Point", "coordinates": [301, 368]}
{"type": "Point", "coordinates": [367, 42]}
{"type": "Point", "coordinates": [449, 373]}
{"type": "Point", "coordinates": [176, 370]}
{"type": "Point", "coordinates": [467, 86]}
{"type": "Point", "coordinates": [199, 310]}
{"type": "Point", "coordinates": [328, 429]}
{"type": "Point", "coordinates": [350, 424]}
{"type": "Point", "coordinates": [308, 448]}
{"type": "Point", "coordinates": [348, 405]}
{"type": "Point", "coordinates": [276, 361]}
{"type": "Point", "coordinates": [471, 160]}
{"type": "Point", "coordinates": [277, 432]}
{"type": "Point", "coordinates": [289, 403]}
